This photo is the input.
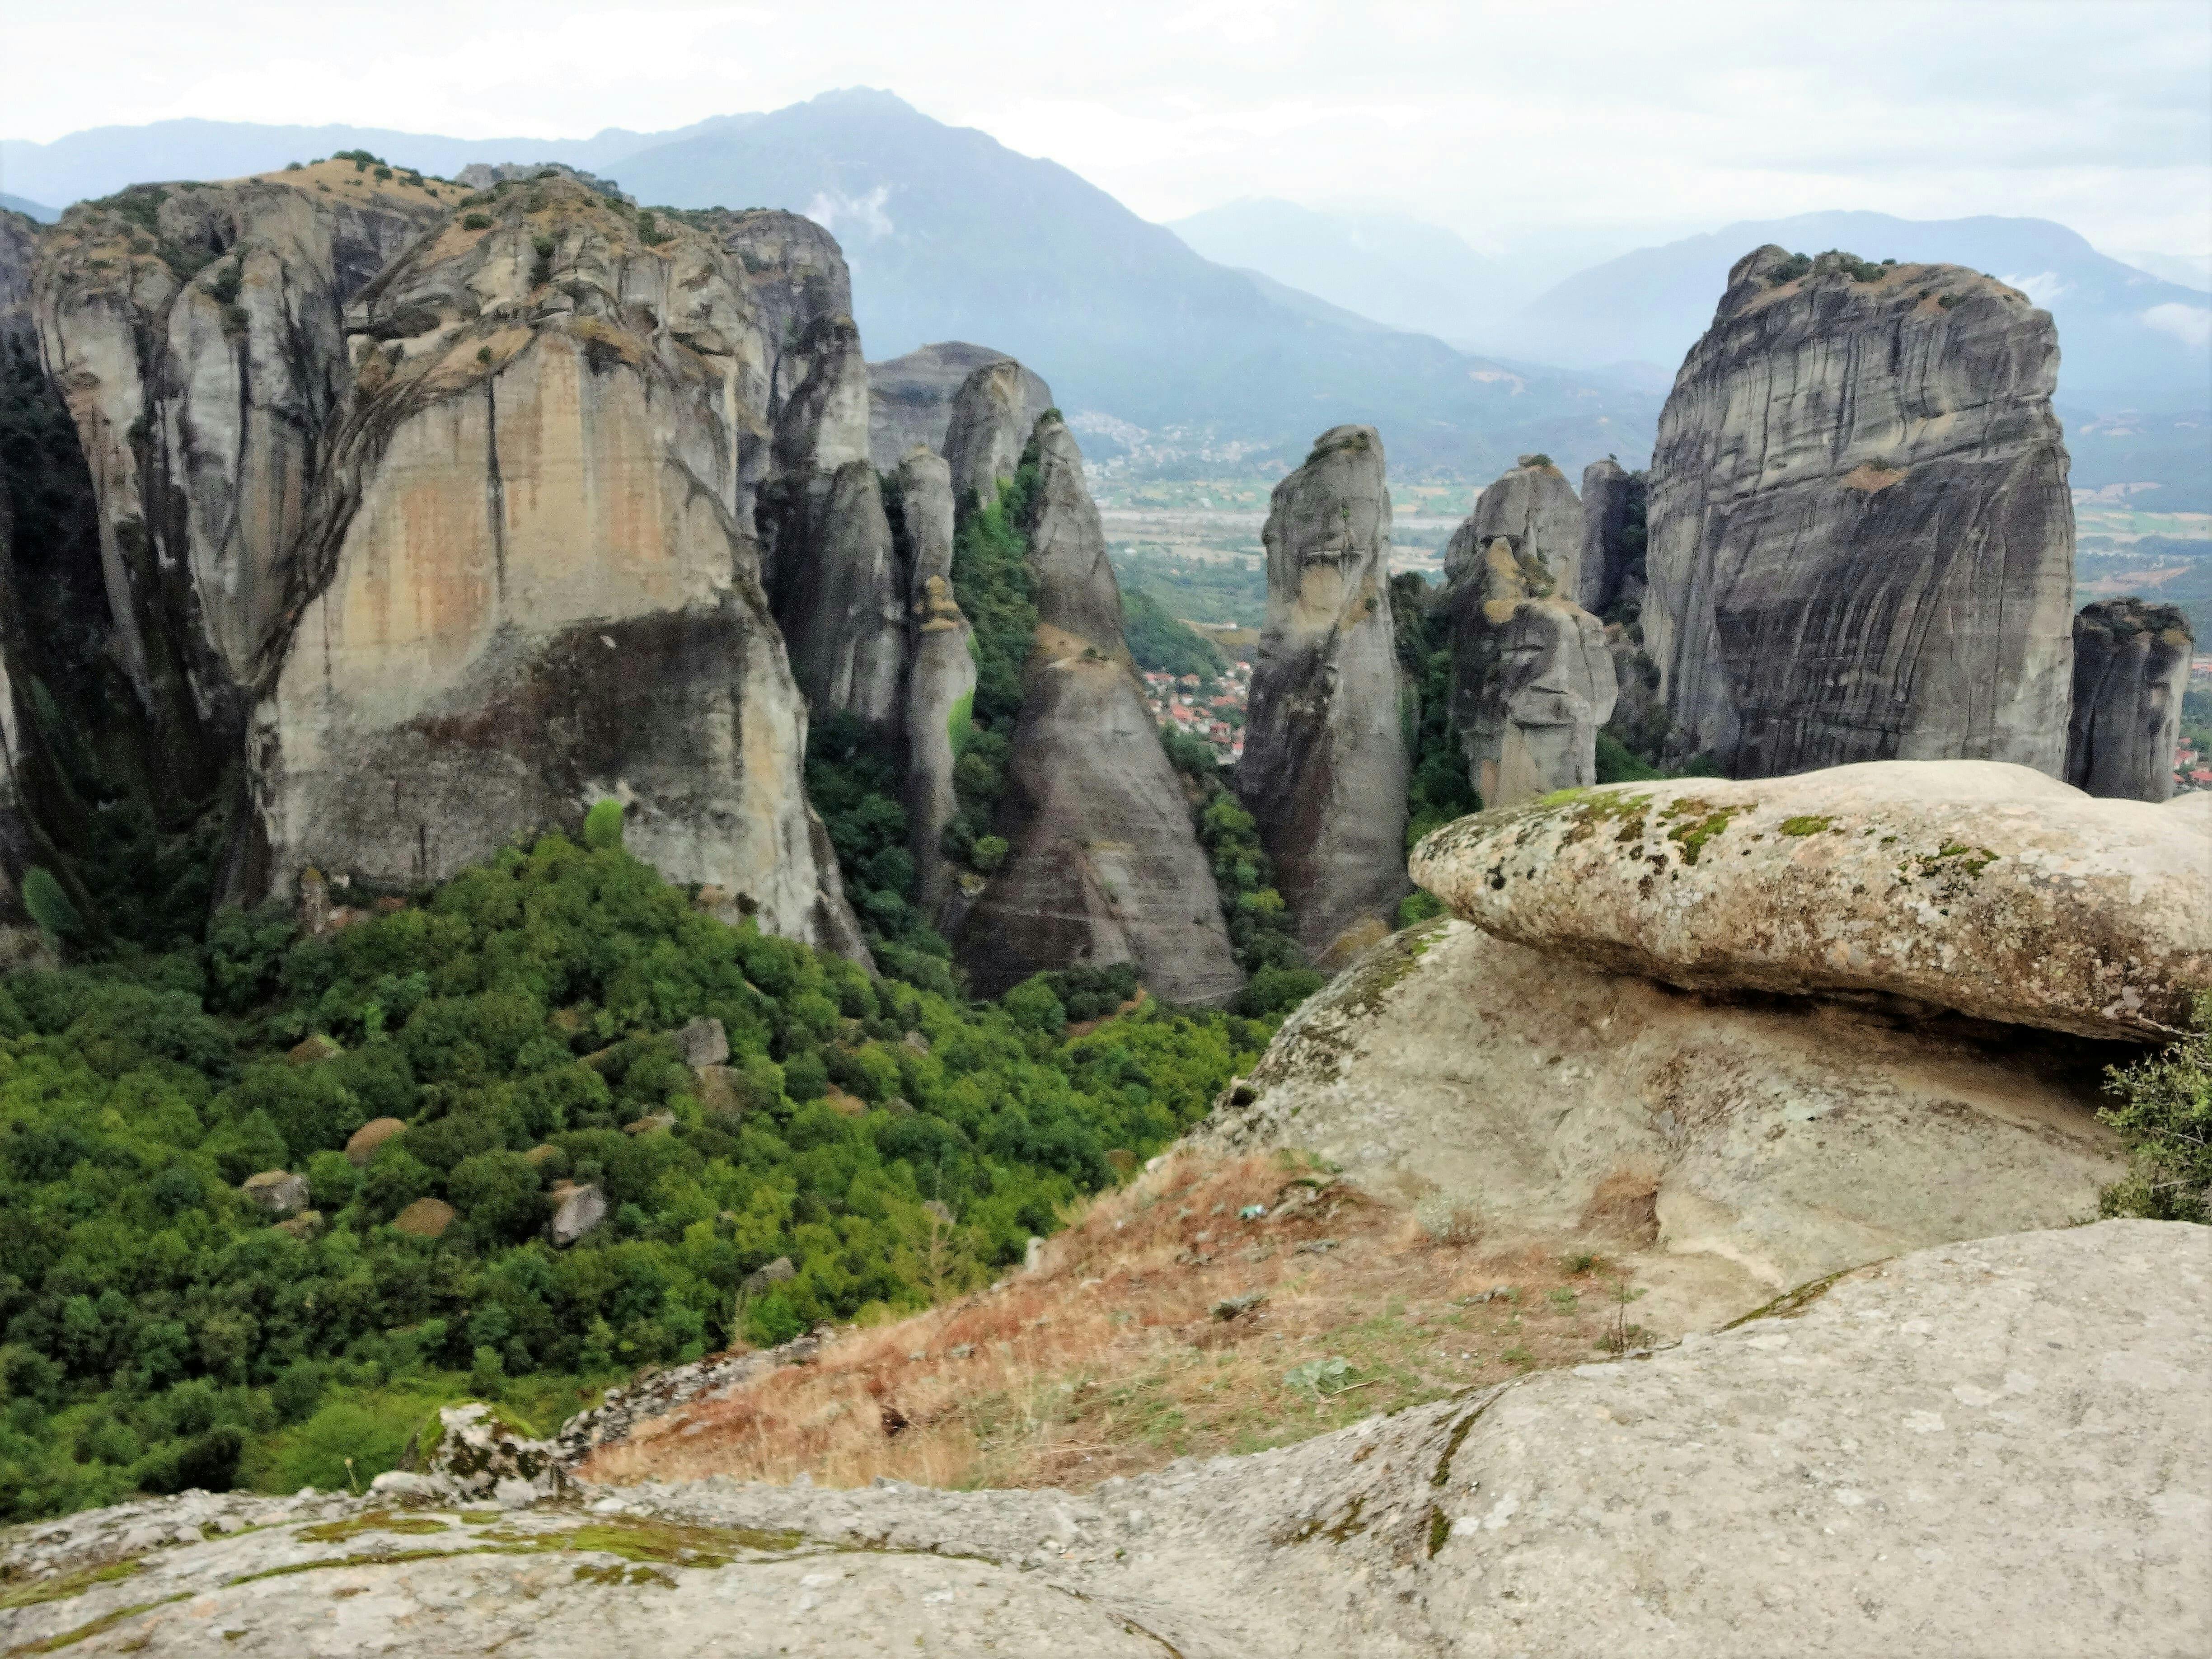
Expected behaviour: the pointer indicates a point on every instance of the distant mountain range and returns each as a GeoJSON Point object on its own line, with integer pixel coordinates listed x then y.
{"type": "Point", "coordinates": [39, 210]}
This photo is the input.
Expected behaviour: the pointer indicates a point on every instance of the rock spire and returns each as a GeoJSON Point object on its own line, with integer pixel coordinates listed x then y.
{"type": "Point", "coordinates": [2130, 668]}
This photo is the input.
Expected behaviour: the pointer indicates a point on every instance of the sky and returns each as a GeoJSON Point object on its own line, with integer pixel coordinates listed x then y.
{"type": "Point", "coordinates": [1585, 127]}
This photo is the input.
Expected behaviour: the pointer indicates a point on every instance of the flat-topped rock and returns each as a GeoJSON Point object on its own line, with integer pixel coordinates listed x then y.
{"type": "Point", "coordinates": [1973, 886]}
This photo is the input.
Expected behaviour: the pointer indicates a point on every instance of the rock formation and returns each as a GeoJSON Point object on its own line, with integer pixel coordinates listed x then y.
{"type": "Point", "coordinates": [525, 585]}
{"type": "Point", "coordinates": [1324, 766]}
{"type": "Point", "coordinates": [1862, 545]}
{"type": "Point", "coordinates": [1532, 680]}
{"type": "Point", "coordinates": [1788, 1482]}
{"type": "Point", "coordinates": [197, 334]}
{"type": "Point", "coordinates": [940, 688]}
{"type": "Point", "coordinates": [1609, 570]}
{"type": "Point", "coordinates": [986, 432]}
{"type": "Point", "coordinates": [1103, 866]}
{"type": "Point", "coordinates": [910, 399]}
{"type": "Point", "coordinates": [2130, 668]}
{"type": "Point", "coordinates": [1984, 889]}
{"type": "Point", "coordinates": [1534, 507]}
{"type": "Point", "coordinates": [792, 272]}
{"type": "Point", "coordinates": [19, 246]}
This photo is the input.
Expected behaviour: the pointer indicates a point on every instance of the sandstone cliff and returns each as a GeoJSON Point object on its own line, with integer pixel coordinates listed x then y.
{"type": "Point", "coordinates": [1532, 680]}
{"type": "Point", "coordinates": [2130, 668]}
{"type": "Point", "coordinates": [986, 432]}
{"type": "Point", "coordinates": [1103, 866]}
{"type": "Point", "coordinates": [1610, 567]}
{"type": "Point", "coordinates": [526, 584]}
{"type": "Point", "coordinates": [1534, 507]}
{"type": "Point", "coordinates": [196, 333]}
{"type": "Point", "coordinates": [910, 398]}
{"type": "Point", "coordinates": [1325, 764]}
{"type": "Point", "coordinates": [940, 690]}
{"type": "Point", "coordinates": [1862, 543]}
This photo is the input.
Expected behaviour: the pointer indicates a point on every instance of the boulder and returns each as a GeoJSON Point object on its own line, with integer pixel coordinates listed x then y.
{"type": "Point", "coordinates": [2130, 668]}
{"type": "Point", "coordinates": [1532, 680]}
{"type": "Point", "coordinates": [1534, 509]}
{"type": "Point", "coordinates": [477, 1453]}
{"type": "Point", "coordinates": [985, 433]}
{"type": "Point", "coordinates": [313, 1048]}
{"type": "Point", "coordinates": [1972, 886]}
{"type": "Point", "coordinates": [1990, 1449]}
{"type": "Point", "coordinates": [308, 1224]}
{"type": "Point", "coordinates": [940, 690]}
{"type": "Point", "coordinates": [577, 1212]}
{"type": "Point", "coordinates": [277, 1191]}
{"type": "Point", "coordinates": [1103, 864]}
{"type": "Point", "coordinates": [778, 1272]}
{"type": "Point", "coordinates": [361, 1146]}
{"type": "Point", "coordinates": [651, 1121]}
{"type": "Point", "coordinates": [1609, 570]}
{"type": "Point", "coordinates": [1555, 1099]}
{"type": "Point", "coordinates": [426, 1217]}
{"type": "Point", "coordinates": [701, 1042]}
{"type": "Point", "coordinates": [1862, 545]}
{"type": "Point", "coordinates": [1324, 766]}
{"type": "Point", "coordinates": [469, 660]}
{"type": "Point", "coordinates": [910, 399]}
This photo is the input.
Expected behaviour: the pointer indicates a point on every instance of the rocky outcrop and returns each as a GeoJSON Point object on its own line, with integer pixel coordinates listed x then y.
{"type": "Point", "coordinates": [1986, 890]}
{"type": "Point", "coordinates": [1862, 545]}
{"type": "Point", "coordinates": [1324, 766]}
{"type": "Point", "coordinates": [1534, 507]}
{"type": "Point", "coordinates": [1532, 680]}
{"type": "Point", "coordinates": [986, 432]}
{"type": "Point", "coordinates": [940, 688]}
{"type": "Point", "coordinates": [1788, 1482]}
{"type": "Point", "coordinates": [197, 334]}
{"type": "Point", "coordinates": [1609, 570]}
{"type": "Point", "coordinates": [488, 175]}
{"type": "Point", "coordinates": [793, 273]}
{"type": "Point", "coordinates": [525, 585]}
{"type": "Point", "coordinates": [2130, 668]}
{"type": "Point", "coordinates": [910, 399]}
{"type": "Point", "coordinates": [1103, 866]}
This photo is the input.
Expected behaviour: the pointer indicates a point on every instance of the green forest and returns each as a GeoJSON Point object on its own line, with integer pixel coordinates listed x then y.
{"type": "Point", "coordinates": [161, 1330]}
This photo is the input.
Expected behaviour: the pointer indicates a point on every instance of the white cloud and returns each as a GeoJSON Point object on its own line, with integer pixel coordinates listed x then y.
{"type": "Point", "coordinates": [863, 215]}
{"type": "Point", "coordinates": [2191, 325]}
{"type": "Point", "coordinates": [2042, 288]}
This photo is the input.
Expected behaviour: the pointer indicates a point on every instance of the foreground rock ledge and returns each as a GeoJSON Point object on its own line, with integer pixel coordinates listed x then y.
{"type": "Point", "coordinates": [1994, 1448]}
{"type": "Point", "coordinates": [1976, 886]}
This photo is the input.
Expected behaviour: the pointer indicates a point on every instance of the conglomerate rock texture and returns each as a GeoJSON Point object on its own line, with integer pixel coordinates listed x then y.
{"type": "Point", "coordinates": [1325, 763]}
{"type": "Point", "coordinates": [1984, 889]}
{"type": "Point", "coordinates": [910, 398]}
{"type": "Point", "coordinates": [1103, 865]}
{"type": "Point", "coordinates": [2130, 668]}
{"type": "Point", "coordinates": [1848, 1475]}
{"type": "Point", "coordinates": [1862, 543]}
{"type": "Point", "coordinates": [525, 585]}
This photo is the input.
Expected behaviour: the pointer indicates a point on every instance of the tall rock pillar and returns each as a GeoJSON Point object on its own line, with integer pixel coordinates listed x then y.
{"type": "Point", "coordinates": [1325, 765]}
{"type": "Point", "coordinates": [940, 675]}
{"type": "Point", "coordinates": [2130, 668]}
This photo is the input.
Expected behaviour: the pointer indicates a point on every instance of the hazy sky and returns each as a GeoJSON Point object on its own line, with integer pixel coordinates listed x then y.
{"type": "Point", "coordinates": [1604, 122]}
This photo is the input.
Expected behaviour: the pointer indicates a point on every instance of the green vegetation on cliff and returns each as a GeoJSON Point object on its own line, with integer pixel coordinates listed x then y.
{"type": "Point", "coordinates": [1163, 644]}
{"type": "Point", "coordinates": [159, 1330]}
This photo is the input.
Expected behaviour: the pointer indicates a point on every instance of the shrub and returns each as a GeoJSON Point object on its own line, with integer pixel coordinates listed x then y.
{"type": "Point", "coordinates": [475, 222]}
{"type": "Point", "coordinates": [602, 826]}
{"type": "Point", "coordinates": [49, 906]}
{"type": "Point", "coordinates": [2165, 1122]}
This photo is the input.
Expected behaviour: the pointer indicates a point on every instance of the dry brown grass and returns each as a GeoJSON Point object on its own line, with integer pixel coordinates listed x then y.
{"type": "Point", "coordinates": [1113, 1357]}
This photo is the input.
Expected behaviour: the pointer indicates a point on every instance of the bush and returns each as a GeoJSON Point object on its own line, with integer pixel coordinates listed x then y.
{"type": "Point", "coordinates": [602, 826]}
{"type": "Point", "coordinates": [475, 222]}
{"type": "Point", "coordinates": [2165, 1122]}
{"type": "Point", "coordinates": [49, 906]}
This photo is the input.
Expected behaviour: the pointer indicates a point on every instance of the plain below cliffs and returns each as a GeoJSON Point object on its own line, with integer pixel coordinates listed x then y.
{"type": "Point", "coordinates": [2130, 668]}
{"type": "Point", "coordinates": [525, 585]}
{"type": "Point", "coordinates": [1324, 767]}
{"type": "Point", "coordinates": [1862, 543]}
{"type": "Point", "coordinates": [1103, 865]}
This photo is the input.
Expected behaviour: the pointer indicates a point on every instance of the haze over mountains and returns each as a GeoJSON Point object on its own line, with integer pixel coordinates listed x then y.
{"type": "Point", "coordinates": [1240, 331]}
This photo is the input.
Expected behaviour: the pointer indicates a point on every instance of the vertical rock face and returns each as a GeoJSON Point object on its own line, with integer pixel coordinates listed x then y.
{"type": "Point", "coordinates": [792, 272]}
{"type": "Point", "coordinates": [525, 585]}
{"type": "Point", "coordinates": [1861, 542]}
{"type": "Point", "coordinates": [1102, 864]}
{"type": "Point", "coordinates": [2130, 667]}
{"type": "Point", "coordinates": [910, 398]}
{"type": "Point", "coordinates": [1534, 507]}
{"type": "Point", "coordinates": [940, 691]}
{"type": "Point", "coordinates": [18, 246]}
{"type": "Point", "coordinates": [986, 431]}
{"type": "Point", "coordinates": [1531, 679]}
{"type": "Point", "coordinates": [1324, 766]}
{"type": "Point", "coordinates": [1610, 568]}
{"type": "Point", "coordinates": [18, 355]}
{"type": "Point", "coordinates": [196, 333]}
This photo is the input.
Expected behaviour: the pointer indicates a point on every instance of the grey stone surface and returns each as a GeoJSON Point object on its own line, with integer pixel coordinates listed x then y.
{"type": "Point", "coordinates": [1534, 508]}
{"type": "Point", "coordinates": [277, 1191]}
{"type": "Point", "coordinates": [701, 1042]}
{"type": "Point", "coordinates": [986, 431]}
{"type": "Point", "coordinates": [1324, 765]}
{"type": "Point", "coordinates": [1609, 570]}
{"type": "Point", "coordinates": [1988, 889]}
{"type": "Point", "coordinates": [2130, 669]}
{"type": "Point", "coordinates": [1988, 1448]}
{"type": "Point", "coordinates": [910, 398]}
{"type": "Point", "coordinates": [1103, 865]}
{"type": "Point", "coordinates": [941, 687]}
{"type": "Point", "coordinates": [577, 1210]}
{"type": "Point", "coordinates": [1862, 542]}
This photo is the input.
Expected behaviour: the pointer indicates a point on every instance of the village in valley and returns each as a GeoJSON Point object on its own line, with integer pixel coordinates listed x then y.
{"type": "Point", "coordinates": [1211, 708]}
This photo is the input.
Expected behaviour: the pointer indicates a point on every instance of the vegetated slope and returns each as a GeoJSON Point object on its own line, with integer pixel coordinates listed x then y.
{"type": "Point", "coordinates": [156, 1331]}
{"type": "Point", "coordinates": [951, 235]}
